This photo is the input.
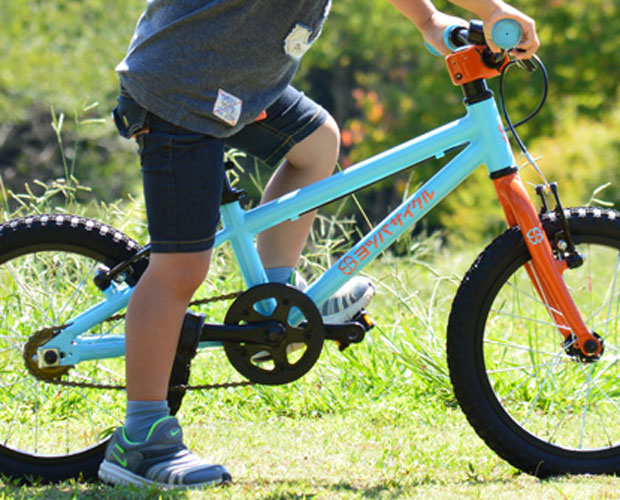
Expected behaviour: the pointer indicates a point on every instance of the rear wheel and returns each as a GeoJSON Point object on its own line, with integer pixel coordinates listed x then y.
{"type": "Point", "coordinates": [541, 408]}
{"type": "Point", "coordinates": [47, 265]}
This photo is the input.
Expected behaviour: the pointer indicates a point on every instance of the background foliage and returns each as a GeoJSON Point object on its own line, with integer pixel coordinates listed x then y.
{"type": "Point", "coordinates": [369, 69]}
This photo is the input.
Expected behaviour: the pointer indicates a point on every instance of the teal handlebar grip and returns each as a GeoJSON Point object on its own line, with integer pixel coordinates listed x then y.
{"type": "Point", "coordinates": [507, 33]}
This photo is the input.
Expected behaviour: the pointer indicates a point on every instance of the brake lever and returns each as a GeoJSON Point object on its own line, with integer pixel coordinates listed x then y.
{"type": "Point", "coordinates": [526, 64]}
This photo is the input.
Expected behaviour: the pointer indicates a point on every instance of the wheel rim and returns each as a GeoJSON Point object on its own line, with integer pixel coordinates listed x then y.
{"type": "Point", "coordinates": [547, 393]}
{"type": "Point", "coordinates": [38, 418]}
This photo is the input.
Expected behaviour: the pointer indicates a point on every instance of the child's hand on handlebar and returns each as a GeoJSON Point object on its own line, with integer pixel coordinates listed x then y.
{"type": "Point", "coordinates": [529, 42]}
{"type": "Point", "coordinates": [434, 29]}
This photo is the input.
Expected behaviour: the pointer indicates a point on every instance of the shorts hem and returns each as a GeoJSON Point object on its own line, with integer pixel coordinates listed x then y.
{"type": "Point", "coordinates": [182, 246]}
{"type": "Point", "coordinates": [295, 138]}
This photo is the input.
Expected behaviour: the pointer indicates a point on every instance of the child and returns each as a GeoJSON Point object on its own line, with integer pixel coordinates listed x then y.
{"type": "Point", "coordinates": [199, 75]}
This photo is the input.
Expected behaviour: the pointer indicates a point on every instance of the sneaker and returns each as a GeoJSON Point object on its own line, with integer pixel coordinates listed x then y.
{"type": "Point", "coordinates": [349, 300]}
{"type": "Point", "coordinates": [160, 459]}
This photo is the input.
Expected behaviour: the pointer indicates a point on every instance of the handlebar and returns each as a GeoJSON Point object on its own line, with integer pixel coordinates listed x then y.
{"type": "Point", "coordinates": [506, 34]}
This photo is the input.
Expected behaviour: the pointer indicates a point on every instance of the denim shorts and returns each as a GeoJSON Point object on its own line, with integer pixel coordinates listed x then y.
{"type": "Point", "coordinates": [182, 170]}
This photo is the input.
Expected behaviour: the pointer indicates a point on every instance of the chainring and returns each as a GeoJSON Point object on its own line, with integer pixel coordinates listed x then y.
{"type": "Point", "coordinates": [281, 361]}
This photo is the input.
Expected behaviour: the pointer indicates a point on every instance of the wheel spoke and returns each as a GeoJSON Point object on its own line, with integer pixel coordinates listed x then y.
{"type": "Point", "coordinates": [531, 377]}
{"type": "Point", "coordinates": [12, 347]}
{"type": "Point", "coordinates": [531, 320]}
{"type": "Point", "coordinates": [6, 405]}
{"type": "Point", "coordinates": [605, 324]}
{"type": "Point", "coordinates": [608, 367]}
{"type": "Point", "coordinates": [533, 297]}
{"type": "Point", "coordinates": [550, 371]}
{"type": "Point", "coordinates": [515, 346]}
{"type": "Point", "coordinates": [12, 428]}
{"type": "Point", "coordinates": [93, 402]}
{"type": "Point", "coordinates": [43, 279]}
{"type": "Point", "coordinates": [26, 290]}
{"type": "Point", "coordinates": [521, 368]}
{"type": "Point", "coordinates": [591, 383]}
{"type": "Point", "coordinates": [585, 406]}
{"type": "Point", "coordinates": [27, 389]}
{"type": "Point", "coordinates": [78, 289]}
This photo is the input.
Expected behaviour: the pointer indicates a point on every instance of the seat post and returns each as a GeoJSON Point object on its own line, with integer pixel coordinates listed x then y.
{"type": "Point", "coordinates": [231, 194]}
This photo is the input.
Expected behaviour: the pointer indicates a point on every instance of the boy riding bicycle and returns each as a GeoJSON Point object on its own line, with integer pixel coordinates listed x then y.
{"type": "Point", "coordinates": [201, 75]}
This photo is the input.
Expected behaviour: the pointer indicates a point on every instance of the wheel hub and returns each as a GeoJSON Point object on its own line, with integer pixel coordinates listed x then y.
{"type": "Point", "coordinates": [570, 347]}
{"type": "Point", "coordinates": [31, 357]}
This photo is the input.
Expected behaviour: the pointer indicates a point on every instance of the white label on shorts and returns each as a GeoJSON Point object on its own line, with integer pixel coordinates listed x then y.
{"type": "Point", "coordinates": [297, 41]}
{"type": "Point", "coordinates": [227, 107]}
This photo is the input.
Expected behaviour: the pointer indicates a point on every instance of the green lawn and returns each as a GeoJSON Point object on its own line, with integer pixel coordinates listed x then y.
{"type": "Point", "coordinates": [373, 451]}
{"type": "Point", "coordinates": [376, 421]}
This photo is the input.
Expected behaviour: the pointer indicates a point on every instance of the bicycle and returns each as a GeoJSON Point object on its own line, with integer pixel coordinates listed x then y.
{"type": "Point", "coordinates": [533, 372]}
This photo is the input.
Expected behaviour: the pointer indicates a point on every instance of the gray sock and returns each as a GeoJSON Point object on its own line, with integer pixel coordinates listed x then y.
{"type": "Point", "coordinates": [140, 417]}
{"type": "Point", "coordinates": [279, 274]}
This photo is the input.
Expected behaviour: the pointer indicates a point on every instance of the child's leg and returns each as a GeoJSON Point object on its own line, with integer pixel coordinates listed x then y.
{"type": "Point", "coordinates": [183, 177]}
{"type": "Point", "coordinates": [154, 319]}
{"type": "Point", "coordinates": [280, 247]}
{"type": "Point", "coordinates": [307, 137]}
{"type": "Point", "coordinates": [311, 160]}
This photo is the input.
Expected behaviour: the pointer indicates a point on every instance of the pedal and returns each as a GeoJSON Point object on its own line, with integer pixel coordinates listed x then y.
{"type": "Point", "coordinates": [364, 318]}
{"type": "Point", "coordinates": [186, 350]}
{"type": "Point", "coordinates": [352, 332]}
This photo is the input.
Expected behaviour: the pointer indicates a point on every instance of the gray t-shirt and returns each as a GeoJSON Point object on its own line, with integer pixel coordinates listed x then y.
{"type": "Point", "coordinates": [213, 66]}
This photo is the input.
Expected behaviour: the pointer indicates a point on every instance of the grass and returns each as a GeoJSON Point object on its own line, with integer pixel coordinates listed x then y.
{"type": "Point", "coordinates": [384, 451]}
{"type": "Point", "coordinates": [376, 421]}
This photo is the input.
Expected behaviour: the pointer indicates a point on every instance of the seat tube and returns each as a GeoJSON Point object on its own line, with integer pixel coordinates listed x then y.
{"type": "Point", "coordinates": [242, 243]}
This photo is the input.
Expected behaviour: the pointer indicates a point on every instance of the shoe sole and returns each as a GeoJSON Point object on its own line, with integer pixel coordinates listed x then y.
{"type": "Point", "coordinates": [349, 312]}
{"type": "Point", "coordinates": [113, 474]}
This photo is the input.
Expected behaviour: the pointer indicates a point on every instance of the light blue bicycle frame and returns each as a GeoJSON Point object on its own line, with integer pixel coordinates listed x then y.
{"type": "Point", "coordinates": [479, 133]}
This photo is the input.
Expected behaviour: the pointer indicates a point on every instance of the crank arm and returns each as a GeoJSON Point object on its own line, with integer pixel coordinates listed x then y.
{"type": "Point", "coordinates": [272, 332]}
{"type": "Point", "coordinates": [266, 332]}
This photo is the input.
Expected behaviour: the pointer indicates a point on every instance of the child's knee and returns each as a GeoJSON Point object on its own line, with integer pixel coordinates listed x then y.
{"type": "Point", "coordinates": [182, 273]}
{"type": "Point", "coordinates": [319, 151]}
{"type": "Point", "coordinates": [332, 137]}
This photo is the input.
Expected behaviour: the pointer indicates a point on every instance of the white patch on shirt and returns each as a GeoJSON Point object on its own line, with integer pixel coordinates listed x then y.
{"type": "Point", "coordinates": [227, 107]}
{"type": "Point", "coordinates": [297, 42]}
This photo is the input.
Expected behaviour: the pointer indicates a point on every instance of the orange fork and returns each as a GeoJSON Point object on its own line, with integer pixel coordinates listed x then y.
{"type": "Point", "coordinates": [545, 270]}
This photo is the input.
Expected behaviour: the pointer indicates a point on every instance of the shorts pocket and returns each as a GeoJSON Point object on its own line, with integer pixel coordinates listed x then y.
{"type": "Point", "coordinates": [129, 117]}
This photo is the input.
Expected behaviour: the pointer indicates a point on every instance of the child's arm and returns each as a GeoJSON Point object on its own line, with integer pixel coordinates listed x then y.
{"type": "Point", "coordinates": [432, 23]}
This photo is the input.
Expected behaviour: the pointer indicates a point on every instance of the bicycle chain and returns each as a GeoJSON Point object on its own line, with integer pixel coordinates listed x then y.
{"type": "Point", "coordinates": [48, 333]}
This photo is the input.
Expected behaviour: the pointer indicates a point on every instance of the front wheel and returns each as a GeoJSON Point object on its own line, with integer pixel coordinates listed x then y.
{"type": "Point", "coordinates": [540, 408]}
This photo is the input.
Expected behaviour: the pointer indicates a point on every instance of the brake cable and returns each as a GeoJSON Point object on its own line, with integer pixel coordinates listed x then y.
{"type": "Point", "coordinates": [512, 127]}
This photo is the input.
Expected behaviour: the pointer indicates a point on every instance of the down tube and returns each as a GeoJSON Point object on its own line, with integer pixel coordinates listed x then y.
{"type": "Point", "coordinates": [396, 223]}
